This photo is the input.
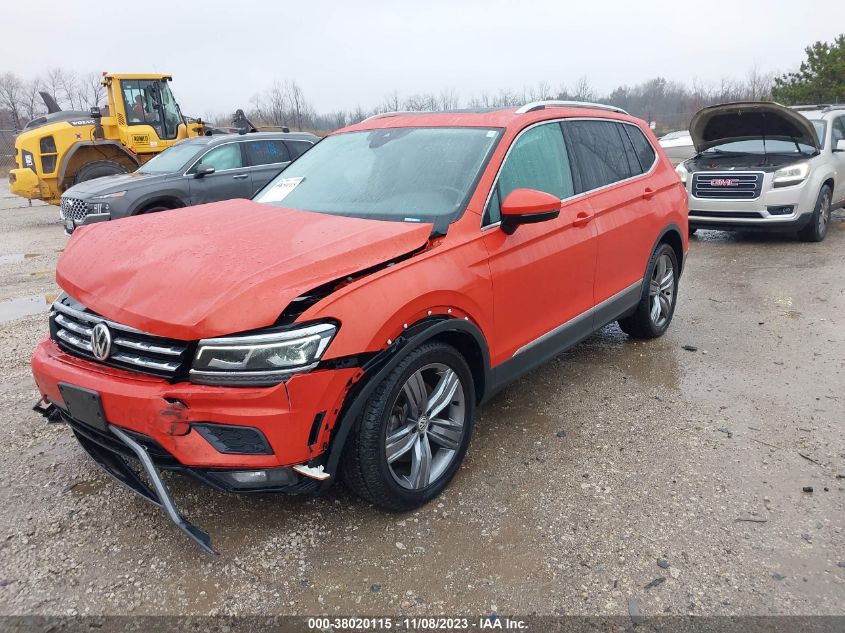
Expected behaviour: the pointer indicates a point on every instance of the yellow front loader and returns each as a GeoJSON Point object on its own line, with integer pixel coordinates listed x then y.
{"type": "Point", "coordinates": [62, 148]}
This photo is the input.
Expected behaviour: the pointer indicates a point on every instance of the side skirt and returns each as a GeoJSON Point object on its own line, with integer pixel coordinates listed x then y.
{"type": "Point", "coordinates": [564, 336]}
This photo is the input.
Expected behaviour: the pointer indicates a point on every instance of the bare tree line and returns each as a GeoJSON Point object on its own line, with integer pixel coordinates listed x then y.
{"type": "Point", "coordinates": [670, 104]}
{"type": "Point", "coordinates": [20, 101]}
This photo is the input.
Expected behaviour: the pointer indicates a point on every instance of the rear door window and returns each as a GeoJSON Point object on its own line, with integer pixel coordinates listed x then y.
{"type": "Point", "coordinates": [267, 152]}
{"type": "Point", "coordinates": [601, 156]}
{"type": "Point", "coordinates": [838, 131]}
{"type": "Point", "coordinates": [538, 159]}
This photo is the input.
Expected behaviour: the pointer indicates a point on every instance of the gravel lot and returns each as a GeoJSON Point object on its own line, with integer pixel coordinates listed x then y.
{"type": "Point", "coordinates": [621, 473]}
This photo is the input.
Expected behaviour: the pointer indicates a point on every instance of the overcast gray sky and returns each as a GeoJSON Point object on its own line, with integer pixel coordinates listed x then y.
{"type": "Point", "coordinates": [356, 52]}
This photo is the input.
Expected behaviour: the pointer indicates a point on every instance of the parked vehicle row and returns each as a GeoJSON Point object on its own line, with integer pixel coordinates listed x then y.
{"type": "Point", "coordinates": [195, 171]}
{"type": "Point", "coordinates": [348, 320]}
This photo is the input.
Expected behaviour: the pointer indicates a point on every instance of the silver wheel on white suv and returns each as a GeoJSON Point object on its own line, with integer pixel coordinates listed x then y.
{"type": "Point", "coordinates": [816, 228]}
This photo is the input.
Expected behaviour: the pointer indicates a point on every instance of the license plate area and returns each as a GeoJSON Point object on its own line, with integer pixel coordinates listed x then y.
{"type": "Point", "coordinates": [84, 405]}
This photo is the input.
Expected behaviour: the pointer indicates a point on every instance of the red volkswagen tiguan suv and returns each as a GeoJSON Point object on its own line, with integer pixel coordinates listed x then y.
{"type": "Point", "coordinates": [348, 320]}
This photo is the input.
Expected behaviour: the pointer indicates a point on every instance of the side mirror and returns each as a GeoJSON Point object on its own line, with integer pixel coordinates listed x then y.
{"type": "Point", "coordinates": [840, 145]}
{"type": "Point", "coordinates": [203, 170]}
{"type": "Point", "coordinates": [527, 206]}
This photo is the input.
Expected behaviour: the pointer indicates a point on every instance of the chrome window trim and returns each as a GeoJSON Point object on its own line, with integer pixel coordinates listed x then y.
{"type": "Point", "coordinates": [246, 140]}
{"type": "Point", "coordinates": [577, 195]}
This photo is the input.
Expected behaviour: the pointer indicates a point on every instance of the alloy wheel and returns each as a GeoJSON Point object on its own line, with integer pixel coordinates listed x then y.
{"type": "Point", "coordinates": [824, 214]}
{"type": "Point", "coordinates": [426, 426]}
{"type": "Point", "coordinates": [662, 290]}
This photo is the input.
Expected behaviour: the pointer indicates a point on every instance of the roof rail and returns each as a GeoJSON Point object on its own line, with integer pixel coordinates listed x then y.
{"type": "Point", "coordinates": [810, 106]}
{"type": "Point", "coordinates": [382, 115]}
{"type": "Point", "coordinates": [834, 106]}
{"type": "Point", "coordinates": [541, 105]}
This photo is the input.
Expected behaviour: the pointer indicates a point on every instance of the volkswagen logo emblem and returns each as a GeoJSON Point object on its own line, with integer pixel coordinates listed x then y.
{"type": "Point", "coordinates": [101, 341]}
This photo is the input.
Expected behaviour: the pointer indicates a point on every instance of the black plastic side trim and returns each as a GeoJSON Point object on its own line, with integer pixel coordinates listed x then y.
{"type": "Point", "coordinates": [564, 336]}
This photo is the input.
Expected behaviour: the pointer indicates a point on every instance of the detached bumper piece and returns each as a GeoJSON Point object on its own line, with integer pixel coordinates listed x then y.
{"type": "Point", "coordinates": [116, 467]}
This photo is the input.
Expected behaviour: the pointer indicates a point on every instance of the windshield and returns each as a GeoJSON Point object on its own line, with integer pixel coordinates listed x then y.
{"type": "Point", "coordinates": [173, 159]}
{"type": "Point", "coordinates": [759, 146]}
{"type": "Point", "coordinates": [398, 174]}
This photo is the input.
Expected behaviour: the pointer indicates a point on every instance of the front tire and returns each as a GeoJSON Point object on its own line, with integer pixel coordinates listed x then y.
{"type": "Point", "coordinates": [412, 435]}
{"type": "Point", "coordinates": [98, 169]}
{"type": "Point", "coordinates": [816, 228]}
{"type": "Point", "coordinates": [656, 308]}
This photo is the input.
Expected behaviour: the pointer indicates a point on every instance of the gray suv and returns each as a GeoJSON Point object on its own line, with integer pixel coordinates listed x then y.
{"type": "Point", "coordinates": [195, 171]}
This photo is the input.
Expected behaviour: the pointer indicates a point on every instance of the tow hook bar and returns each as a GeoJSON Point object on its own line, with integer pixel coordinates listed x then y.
{"type": "Point", "coordinates": [50, 412]}
{"type": "Point", "coordinates": [165, 501]}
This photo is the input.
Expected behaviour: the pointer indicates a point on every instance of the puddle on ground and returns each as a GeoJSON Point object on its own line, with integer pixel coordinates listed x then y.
{"type": "Point", "coordinates": [85, 488]}
{"type": "Point", "coordinates": [16, 258]}
{"type": "Point", "coordinates": [24, 306]}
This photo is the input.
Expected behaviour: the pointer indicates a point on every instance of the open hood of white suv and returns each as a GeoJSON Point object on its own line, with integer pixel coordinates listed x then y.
{"type": "Point", "coordinates": [747, 120]}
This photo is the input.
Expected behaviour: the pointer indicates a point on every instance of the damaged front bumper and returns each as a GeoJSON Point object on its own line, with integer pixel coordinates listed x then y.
{"type": "Point", "coordinates": [117, 451]}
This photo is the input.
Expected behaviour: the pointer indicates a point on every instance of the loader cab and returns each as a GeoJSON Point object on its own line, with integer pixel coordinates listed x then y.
{"type": "Point", "coordinates": [148, 115]}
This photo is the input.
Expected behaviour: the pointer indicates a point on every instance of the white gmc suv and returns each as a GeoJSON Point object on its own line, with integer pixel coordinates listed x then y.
{"type": "Point", "coordinates": [761, 165]}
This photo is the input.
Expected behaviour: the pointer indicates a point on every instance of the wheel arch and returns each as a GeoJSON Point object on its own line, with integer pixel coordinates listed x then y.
{"type": "Point", "coordinates": [671, 235]}
{"type": "Point", "coordinates": [462, 334]}
{"type": "Point", "coordinates": [76, 156]}
{"type": "Point", "coordinates": [170, 200]}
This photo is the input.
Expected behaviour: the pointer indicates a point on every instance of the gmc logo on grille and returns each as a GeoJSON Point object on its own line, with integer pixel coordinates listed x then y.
{"type": "Point", "coordinates": [724, 182]}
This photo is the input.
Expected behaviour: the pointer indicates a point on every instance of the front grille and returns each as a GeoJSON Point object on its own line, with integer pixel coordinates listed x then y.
{"type": "Point", "coordinates": [73, 208]}
{"type": "Point", "coordinates": [727, 185]}
{"type": "Point", "coordinates": [741, 215]}
{"type": "Point", "coordinates": [131, 349]}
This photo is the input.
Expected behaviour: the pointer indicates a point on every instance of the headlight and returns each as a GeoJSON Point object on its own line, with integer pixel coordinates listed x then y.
{"type": "Point", "coordinates": [260, 359]}
{"type": "Point", "coordinates": [116, 194]}
{"type": "Point", "coordinates": [682, 172]}
{"type": "Point", "coordinates": [792, 175]}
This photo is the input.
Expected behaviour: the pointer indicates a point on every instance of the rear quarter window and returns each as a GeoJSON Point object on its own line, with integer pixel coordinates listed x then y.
{"type": "Point", "coordinates": [644, 150]}
{"type": "Point", "coordinates": [298, 148]}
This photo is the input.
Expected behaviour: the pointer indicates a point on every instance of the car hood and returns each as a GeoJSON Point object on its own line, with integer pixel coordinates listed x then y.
{"type": "Point", "coordinates": [220, 268]}
{"type": "Point", "coordinates": [744, 120]}
{"type": "Point", "coordinates": [680, 141]}
{"type": "Point", "coordinates": [110, 184]}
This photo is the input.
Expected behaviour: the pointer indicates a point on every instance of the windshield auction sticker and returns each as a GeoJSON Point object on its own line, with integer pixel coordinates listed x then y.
{"type": "Point", "coordinates": [281, 189]}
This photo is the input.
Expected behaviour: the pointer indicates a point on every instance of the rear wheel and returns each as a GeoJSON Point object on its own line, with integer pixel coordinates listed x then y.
{"type": "Point", "coordinates": [816, 228]}
{"type": "Point", "coordinates": [660, 292]}
{"type": "Point", "coordinates": [414, 430]}
{"type": "Point", "coordinates": [98, 169]}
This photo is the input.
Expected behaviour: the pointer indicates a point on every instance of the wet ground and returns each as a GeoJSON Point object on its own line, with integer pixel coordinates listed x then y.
{"type": "Point", "coordinates": [619, 474]}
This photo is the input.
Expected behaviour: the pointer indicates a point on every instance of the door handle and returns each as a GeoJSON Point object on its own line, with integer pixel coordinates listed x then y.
{"type": "Point", "coordinates": [648, 193]}
{"type": "Point", "coordinates": [582, 218]}
{"type": "Point", "coordinates": [240, 176]}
